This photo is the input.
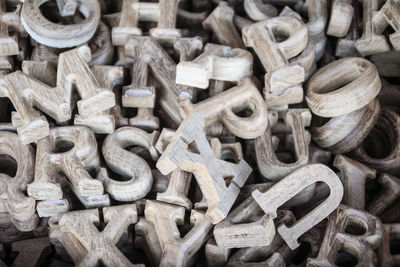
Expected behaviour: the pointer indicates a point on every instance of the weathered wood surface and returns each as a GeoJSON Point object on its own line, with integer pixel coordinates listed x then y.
{"type": "Point", "coordinates": [199, 133]}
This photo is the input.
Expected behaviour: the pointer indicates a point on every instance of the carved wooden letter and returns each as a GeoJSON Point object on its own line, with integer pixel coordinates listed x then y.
{"type": "Point", "coordinates": [353, 175]}
{"type": "Point", "coordinates": [268, 164]}
{"type": "Point", "coordinates": [221, 107]}
{"type": "Point", "coordinates": [135, 170]}
{"type": "Point", "coordinates": [273, 254]}
{"type": "Point", "coordinates": [390, 192]}
{"type": "Point", "coordinates": [190, 151]}
{"type": "Point", "coordinates": [177, 251]}
{"type": "Point", "coordinates": [99, 246]}
{"type": "Point", "coordinates": [216, 62]}
{"type": "Point", "coordinates": [282, 81]}
{"type": "Point", "coordinates": [74, 164]}
{"type": "Point", "coordinates": [26, 93]}
{"type": "Point", "coordinates": [354, 231]}
{"type": "Point", "coordinates": [245, 226]}
{"type": "Point", "coordinates": [20, 207]}
{"type": "Point", "coordinates": [293, 184]}
{"type": "Point", "coordinates": [57, 35]}
{"type": "Point", "coordinates": [220, 21]}
{"type": "Point", "coordinates": [164, 13]}
{"type": "Point", "coordinates": [257, 10]}
{"type": "Point", "coordinates": [389, 14]}
{"type": "Point", "coordinates": [352, 82]}
{"type": "Point", "coordinates": [8, 44]}
{"type": "Point", "coordinates": [163, 69]}
{"type": "Point", "coordinates": [371, 41]}
{"type": "Point", "coordinates": [341, 17]}
{"type": "Point", "coordinates": [177, 190]}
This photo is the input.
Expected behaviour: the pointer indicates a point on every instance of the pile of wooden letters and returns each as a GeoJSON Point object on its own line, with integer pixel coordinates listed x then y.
{"type": "Point", "coordinates": [199, 133]}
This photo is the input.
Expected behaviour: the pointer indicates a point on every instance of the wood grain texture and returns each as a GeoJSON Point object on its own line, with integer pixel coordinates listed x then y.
{"type": "Point", "coordinates": [277, 253]}
{"type": "Point", "coordinates": [217, 62]}
{"type": "Point", "coordinates": [98, 246]}
{"type": "Point", "coordinates": [8, 44]}
{"type": "Point", "coordinates": [387, 63]}
{"type": "Point", "coordinates": [137, 177]}
{"type": "Point", "coordinates": [388, 129]}
{"type": "Point", "coordinates": [269, 165]}
{"type": "Point", "coordinates": [245, 226]}
{"type": "Point", "coordinates": [80, 156]}
{"type": "Point", "coordinates": [386, 197]}
{"type": "Point", "coordinates": [289, 187]}
{"type": "Point", "coordinates": [178, 188]}
{"type": "Point", "coordinates": [352, 82]}
{"type": "Point", "coordinates": [147, 240]}
{"type": "Point", "coordinates": [56, 35]}
{"type": "Point", "coordinates": [164, 70]}
{"type": "Point", "coordinates": [339, 235]}
{"type": "Point", "coordinates": [353, 175]}
{"type": "Point", "coordinates": [372, 41]}
{"type": "Point", "coordinates": [26, 93]}
{"type": "Point", "coordinates": [344, 133]}
{"type": "Point", "coordinates": [391, 232]}
{"type": "Point", "coordinates": [190, 151]}
{"type": "Point", "coordinates": [317, 11]}
{"type": "Point", "coordinates": [282, 81]}
{"type": "Point", "coordinates": [224, 106]}
{"type": "Point", "coordinates": [20, 207]}
{"type": "Point", "coordinates": [177, 250]}
{"type": "Point", "coordinates": [221, 23]}
{"type": "Point", "coordinates": [389, 14]}
{"type": "Point", "coordinates": [164, 13]}
{"type": "Point", "coordinates": [341, 16]}
{"type": "Point", "coordinates": [257, 10]}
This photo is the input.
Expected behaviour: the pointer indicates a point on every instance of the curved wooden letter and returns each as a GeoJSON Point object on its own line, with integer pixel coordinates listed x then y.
{"type": "Point", "coordinates": [128, 164]}
{"type": "Point", "coordinates": [293, 184]}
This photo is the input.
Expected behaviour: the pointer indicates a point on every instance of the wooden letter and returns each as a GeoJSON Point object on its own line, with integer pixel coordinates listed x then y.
{"type": "Point", "coordinates": [387, 197]}
{"type": "Point", "coordinates": [391, 232]}
{"type": "Point", "coordinates": [293, 184]}
{"type": "Point", "coordinates": [353, 175]}
{"type": "Point", "coordinates": [354, 231]}
{"type": "Point", "coordinates": [99, 246]}
{"type": "Point", "coordinates": [151, 55]}
{"type": "Point", "coordinates": [177, 250]}
{"type": "Point", "coordinates": [257, 10]}
{"type": "Point", "coordinates": [352, 82]}
{"type": "Point", "coordinates": [164, 13]}
{"type": "Point", "coordinates": [245, 226]}
{"type": "Point", "coordinates": [73, 163]}
{"type": "Point", "coordinates": [20, 207]}
{"type": "Point", "coordinates": [371, 41]}
{"type": "Point", "coordinates": [282, 81]}
{"type": "Point", "coordinates": [220, 21]}
{"type": "Point", "coordinates": [216, 62]}
{"type": "Point", "coordinates": [341, 17]}
{"type": "Point", "coordinates": [221, 107]}
{"type": "Point", "coordinates": [26, 93]}
{"type": "Point", "coordinates": [57, 35]}
{"type": "Point", "coordinates": [268, 164]}
{"type": "Point", "coordinates": [135, 170]}
{"type": "Point", "coordinates": [190, 151]}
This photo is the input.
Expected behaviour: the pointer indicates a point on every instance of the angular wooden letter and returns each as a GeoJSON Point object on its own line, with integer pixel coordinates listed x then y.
{"type": "Point", "coordinates": [190, 151]}
{"type": "Point", "coordinates": [177, 251]}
